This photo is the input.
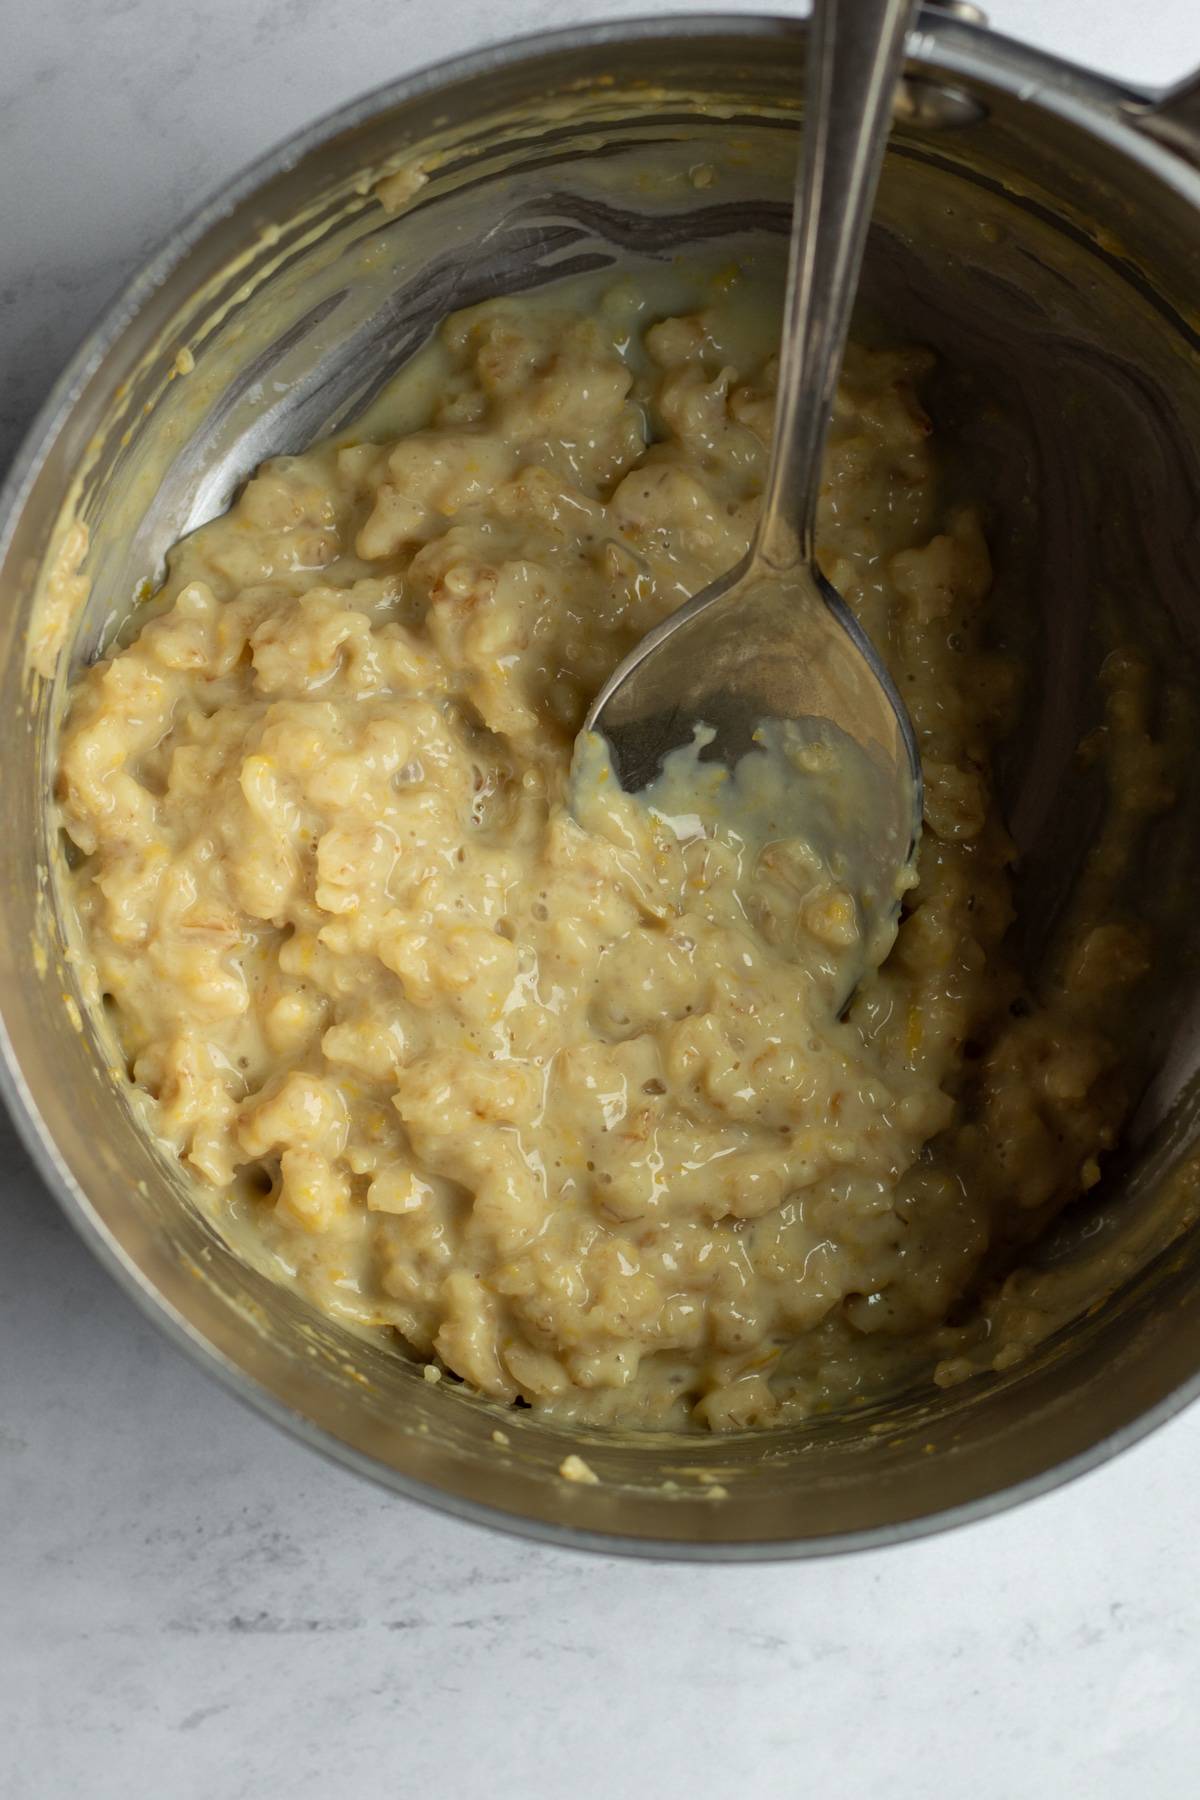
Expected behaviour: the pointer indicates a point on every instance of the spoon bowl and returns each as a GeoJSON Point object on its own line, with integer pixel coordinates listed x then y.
{"type": "Point", "coordinates": [763, 647]}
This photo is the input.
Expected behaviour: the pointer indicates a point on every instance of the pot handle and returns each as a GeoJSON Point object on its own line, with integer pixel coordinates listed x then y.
{"type": "Point", "coordinates": [1172, 117]}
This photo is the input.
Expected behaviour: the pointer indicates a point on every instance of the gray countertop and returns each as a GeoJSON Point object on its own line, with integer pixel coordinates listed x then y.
{"type": "Point", "coordinates": [192, 1606]}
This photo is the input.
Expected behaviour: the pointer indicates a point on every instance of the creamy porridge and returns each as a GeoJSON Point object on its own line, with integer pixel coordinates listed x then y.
{"type": "Point", "coordinates": [563, 1098]}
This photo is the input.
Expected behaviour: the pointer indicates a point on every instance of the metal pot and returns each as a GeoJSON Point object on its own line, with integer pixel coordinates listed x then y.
{"type": "Point", "coordinates": [1037, 223]}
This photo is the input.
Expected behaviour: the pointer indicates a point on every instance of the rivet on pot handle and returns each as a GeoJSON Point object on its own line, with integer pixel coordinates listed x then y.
{"type": "Point", "coordinates": [962, 10]}
{"type": "Point", "coordinates": [1172, 117]}
{"type": "Point", "coordinates": [935, 104]}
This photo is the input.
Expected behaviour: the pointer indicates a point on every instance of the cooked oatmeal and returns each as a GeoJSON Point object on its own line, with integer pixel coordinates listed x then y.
{"type": "Point", "coordinates": [565, 1101]}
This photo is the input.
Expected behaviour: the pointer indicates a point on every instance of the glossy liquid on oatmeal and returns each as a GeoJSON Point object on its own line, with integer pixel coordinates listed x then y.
{"type": "Point", "coordinates": [562, 1096]}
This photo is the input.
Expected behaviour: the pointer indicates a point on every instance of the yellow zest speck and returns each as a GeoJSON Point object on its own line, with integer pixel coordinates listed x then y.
{"type": "Point", "coordinates": [573, 1468]}
{"type": "Point", "coordinates": [914, 1034]}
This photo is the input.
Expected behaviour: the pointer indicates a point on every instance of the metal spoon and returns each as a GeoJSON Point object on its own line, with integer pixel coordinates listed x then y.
{"type": "Point", "coordinates": [772, 640]}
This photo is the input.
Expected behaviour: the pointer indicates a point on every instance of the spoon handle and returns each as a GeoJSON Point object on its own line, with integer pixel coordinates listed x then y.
{"type": "Point", "coordinates": [854, 57]}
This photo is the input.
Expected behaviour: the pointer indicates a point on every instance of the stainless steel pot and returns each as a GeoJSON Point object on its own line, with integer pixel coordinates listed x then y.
{"type": "Point", "coordinates": [1037, 223]}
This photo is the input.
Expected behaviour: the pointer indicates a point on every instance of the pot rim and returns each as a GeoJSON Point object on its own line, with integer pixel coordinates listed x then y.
{"type": "Point", "coordinates": [958, 47]}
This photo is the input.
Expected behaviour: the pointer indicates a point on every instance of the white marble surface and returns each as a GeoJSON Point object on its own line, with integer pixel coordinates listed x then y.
{"type": "Point", "coordinates": [193, 1607]}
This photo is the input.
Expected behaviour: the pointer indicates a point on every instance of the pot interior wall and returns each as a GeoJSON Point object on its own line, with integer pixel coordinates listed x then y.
{"type": "Point", "coordinates": [1071, 371]}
